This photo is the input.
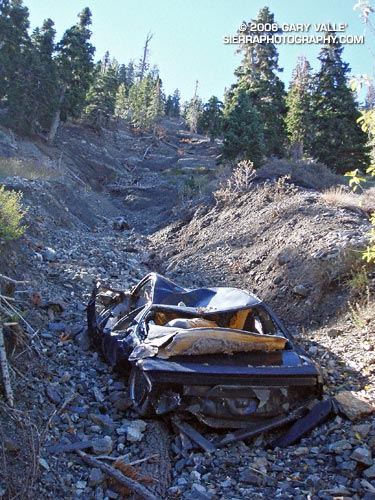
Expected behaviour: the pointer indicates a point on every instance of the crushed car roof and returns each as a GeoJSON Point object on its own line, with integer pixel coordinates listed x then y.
{"type": "Point", "coordinates": [217, 299]}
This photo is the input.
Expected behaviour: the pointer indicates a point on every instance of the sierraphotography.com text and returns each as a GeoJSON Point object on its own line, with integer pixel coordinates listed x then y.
{"type": "Point", "coordinates": [293, 33]}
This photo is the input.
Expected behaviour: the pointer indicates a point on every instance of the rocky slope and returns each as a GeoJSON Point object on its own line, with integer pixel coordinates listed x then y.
{"type": "Point", "coordinates": [115, 206]}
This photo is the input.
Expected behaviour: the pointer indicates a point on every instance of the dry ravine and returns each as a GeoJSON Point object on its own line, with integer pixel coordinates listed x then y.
{"type": "Point", "coordinates": [109, 209]}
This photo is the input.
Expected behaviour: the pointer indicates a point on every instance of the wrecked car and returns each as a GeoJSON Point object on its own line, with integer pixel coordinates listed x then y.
{"type": "Point", "coordinates": [220, 354]}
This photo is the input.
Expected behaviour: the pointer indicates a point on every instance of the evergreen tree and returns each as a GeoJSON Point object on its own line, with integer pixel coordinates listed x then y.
{"type": "Point", "coordinates": [75, 58]}
{"type": "Point", "coordinates": [101, 97]}
{"type": "Point", "coordinates": [258, 71]}
{"type": "Point", "coordinates": [169, 106]}
{"type": "Point", "coordinates": [144, 103]}
{"type": "Point", "coordinates": [242, 128]}
{"type": "Point", "coordinates": [138, 101]}
{"type": "Point", "coordinates": [193, 111]}
{"type": "Point", "coordinates": [126, 75]}
{"type": "Point", "coordinates": [75, 64]}
{"type": "Point", "coordinates": [14, 44]}
{"type": "Point", "coordinates": [45, 77]}
{"type": "Point", "coordinates": [121, 102]}
{"type": "Point", "coordinates": [176, 109]}
{"type": "Point", "coordinates": [338, 139]}
{"type": "Point", "coordinates": [172, 105]}
{"type": "Point", "coordinates": [298, 118]}
{"type": "Point", "coordinates": [370, 98]}
{"type": "Point", "coordinates": [156, 107]}
{"type": "Point", "coordinates": [211, 120]}
{"type": "Point", "coordinates": [16, 64]}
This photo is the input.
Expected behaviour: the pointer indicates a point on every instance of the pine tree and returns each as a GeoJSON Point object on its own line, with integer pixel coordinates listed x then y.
{"type": "Point", "coordinates": [242, 128]}
{"type": "Point", "coordinates": [176, 108]}
{"type": "Point", "coordinates": [155, 109]}
{"type": "Point", "coordinates": [338, 139]}
{"type": "Point", "coordinates": [298, 118]}
{"type": "Point", "coordinates": [126, 75]}
{"type": "Point", "coordinates": [45, 77]}
{"type": "Point", "coordinates": [16, 65]}
{"type": "Point", "coordinates": [101, 97]}
{"type": "Point", "coordinates": [169, 106]}
{"type": "Point", "coordinates": [370, 98]}
{"type": "Point", "coordinates": [211, 120]}
{"type": "Point", "coordinates": [14, 44]}
{"type": "Point", "coordinates": [194, 111]}
{"type": "Point", "coordinates": [144, 105]}
{"type": "Point", "coordinates": [75, 64]}
{"type": "Point", "coordinates": [121, 103]}
{"type": "Point", "coordinates": [172, 105]}
{"type": "Point", "coordinates": [258, 71]}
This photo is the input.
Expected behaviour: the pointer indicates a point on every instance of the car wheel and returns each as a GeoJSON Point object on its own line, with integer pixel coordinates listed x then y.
{"type": "Point", "coordinates": [140, 393]}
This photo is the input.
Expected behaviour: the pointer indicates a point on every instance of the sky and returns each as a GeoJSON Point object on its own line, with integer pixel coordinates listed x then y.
{"type": "Point", "coordinates": [188, 35]}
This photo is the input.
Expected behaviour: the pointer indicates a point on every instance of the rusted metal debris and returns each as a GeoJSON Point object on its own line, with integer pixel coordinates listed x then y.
{"type": "Point", "coordinates": [316, 416]}
{"type": "Point", "coordinates": [194, 435]}
{"type": "Point", "coordinates": [255, 430]}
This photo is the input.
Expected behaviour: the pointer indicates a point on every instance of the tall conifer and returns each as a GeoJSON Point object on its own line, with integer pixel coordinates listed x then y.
{"type": "Point", "coordinates": [258, 74]}
{"type": "Point", "coordinates": [298, 118]}
{"type": "Point", "coordinates": [338, 139]}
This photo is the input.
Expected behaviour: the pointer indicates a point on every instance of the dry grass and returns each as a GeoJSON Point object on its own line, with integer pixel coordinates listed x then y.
{"type": "Point", "coordinates": [27, 169]}
{"type": "Point", "coordinates": [342, 198]}
{"type": "Point", "coordinates": [362, 315]}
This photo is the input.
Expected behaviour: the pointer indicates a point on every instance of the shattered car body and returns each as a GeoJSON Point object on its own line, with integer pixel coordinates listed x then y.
{"type": "Point", "coordinates": [218, 353]}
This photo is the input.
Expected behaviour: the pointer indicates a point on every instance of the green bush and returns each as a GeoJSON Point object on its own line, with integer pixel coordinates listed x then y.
{"type": "Point", "coordinates": [11, 215]}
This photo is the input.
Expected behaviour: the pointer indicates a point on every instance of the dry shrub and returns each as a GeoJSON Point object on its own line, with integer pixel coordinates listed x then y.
{"type": "Point", "coordinates": [276, 196]}
{"type": "Point", "coordinates": [239, 182]}
{"type": "Point", "coordinates": [308, 174]}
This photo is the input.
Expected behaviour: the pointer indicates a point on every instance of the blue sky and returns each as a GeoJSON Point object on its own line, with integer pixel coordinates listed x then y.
{"type": "Point", "coordinates": [188, 35]}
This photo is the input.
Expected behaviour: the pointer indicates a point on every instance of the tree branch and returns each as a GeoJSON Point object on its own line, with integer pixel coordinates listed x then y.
{"type": "Point", "coordinates": [15, 282]}
{"type": "Point", "coordinates": [135, 486]}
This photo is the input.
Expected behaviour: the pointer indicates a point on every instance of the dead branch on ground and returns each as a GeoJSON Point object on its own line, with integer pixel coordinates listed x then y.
{"type": "Point", "coordinates": [135, 486]}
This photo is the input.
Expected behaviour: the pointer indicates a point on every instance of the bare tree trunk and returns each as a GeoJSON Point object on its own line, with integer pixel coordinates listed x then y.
{"type": "Point", "coordinates": [56, 119]}
{"type": "Point", "coordinates": [145, 54]}
{"type": "Point", "coordinates": [5, 369]}
{"type": "Point", "coordinates": [54, 127]}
